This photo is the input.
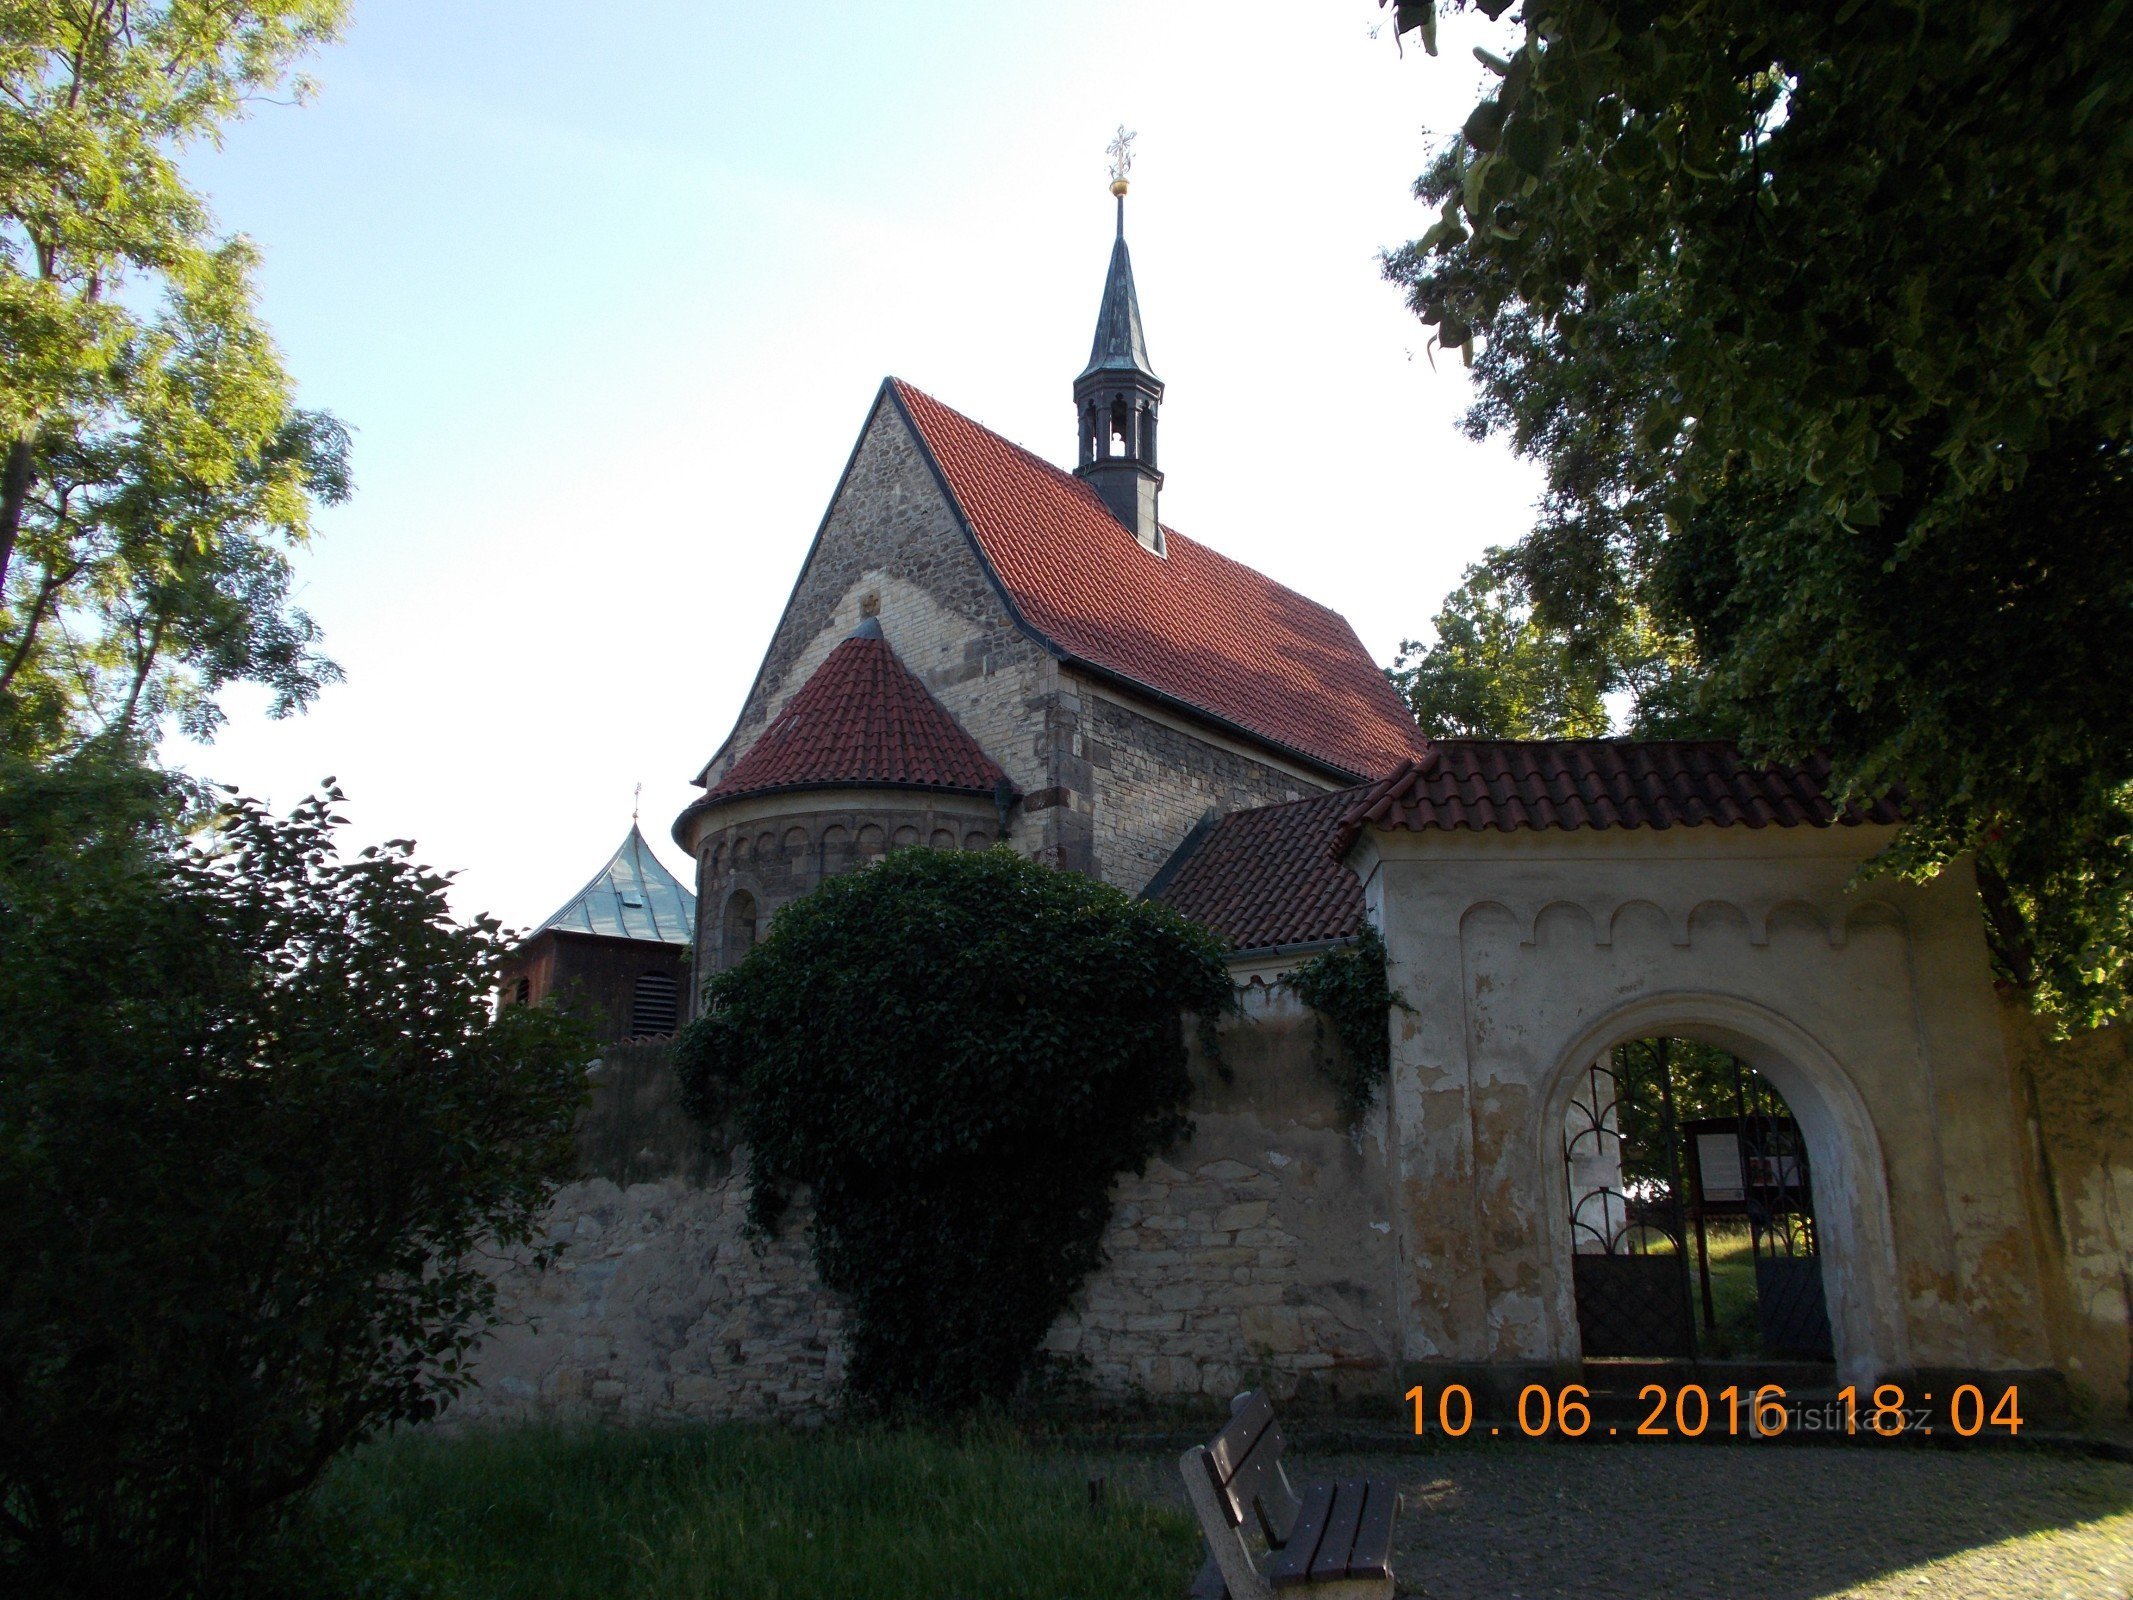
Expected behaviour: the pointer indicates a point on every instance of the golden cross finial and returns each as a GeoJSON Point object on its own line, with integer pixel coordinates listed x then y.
{"type": "Point", "coordinates": [1120, 150]}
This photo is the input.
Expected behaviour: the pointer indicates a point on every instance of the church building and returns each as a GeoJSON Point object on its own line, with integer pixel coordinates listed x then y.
{"type": "Point", "coordinates": [982, 647]}
{"type": "Point", "coordinates": [1653, 997]}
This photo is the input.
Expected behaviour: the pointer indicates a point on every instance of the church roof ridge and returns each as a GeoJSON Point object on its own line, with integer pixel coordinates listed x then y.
{"type": "Point", "coordinates": [633, 897]}
{"type": "Point", "coordinates": [861, 720]}
{"type": "Point", "coordinates": [1191, 626]}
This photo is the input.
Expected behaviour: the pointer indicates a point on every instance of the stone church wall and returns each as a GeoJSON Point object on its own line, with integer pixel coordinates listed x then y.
{"type": "Point", "coordinates": [774, 855]}
{"type": "Point", "coordinates": [891, 542]}
{"type": "Point", "coordinates": [1257, 1252]}
{"type": "Point", "coordinates": [1151, 783]}
{"type": "Point", "coordinates": [2078, 1098]}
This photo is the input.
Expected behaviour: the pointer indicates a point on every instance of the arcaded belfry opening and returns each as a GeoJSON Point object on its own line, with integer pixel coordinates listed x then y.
{"type": "Point", "coordinates": [1691, 1206]}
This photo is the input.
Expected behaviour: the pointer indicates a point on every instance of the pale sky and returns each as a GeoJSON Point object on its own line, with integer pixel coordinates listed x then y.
{"type": "Point", "coordinates": [605, 292]}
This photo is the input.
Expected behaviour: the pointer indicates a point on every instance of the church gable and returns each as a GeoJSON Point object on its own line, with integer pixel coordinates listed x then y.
{"type": "Point", "coordinates": [890, 547]}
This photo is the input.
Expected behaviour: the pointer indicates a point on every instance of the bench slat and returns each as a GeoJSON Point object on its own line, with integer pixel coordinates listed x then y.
{"type": "Point", "coordinates": [1235, 1443]}
{"type": "Point", "coordinates": [1371, 1556]}
{"type": "Point", "coordinates": [1245, 1459]}
{"type": "Point", "coordinates": [1290, 1566]}
{"type": "Point", "coordinates": [1338, 1541]}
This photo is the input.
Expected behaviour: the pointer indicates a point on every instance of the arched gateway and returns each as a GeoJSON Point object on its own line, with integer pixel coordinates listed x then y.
{"type": "Point", "coordinates": [1853, 1240]}
{"type": "Point", "coordinates": [1543, 903]}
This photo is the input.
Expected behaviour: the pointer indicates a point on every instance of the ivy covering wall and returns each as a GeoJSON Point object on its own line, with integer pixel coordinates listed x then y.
{"type": "Point", "coordinates": [957, 1054]}
{"type": "Point", "coordinates": [1348, 987]}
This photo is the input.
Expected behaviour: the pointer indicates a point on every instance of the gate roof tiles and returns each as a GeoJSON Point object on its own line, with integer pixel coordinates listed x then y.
{"type": "Point", "coordinates": [1507, 784]}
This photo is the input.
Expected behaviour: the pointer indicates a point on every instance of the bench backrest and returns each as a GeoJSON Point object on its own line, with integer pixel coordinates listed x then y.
{"type": "Point", "coordinates": [1244, 1462]}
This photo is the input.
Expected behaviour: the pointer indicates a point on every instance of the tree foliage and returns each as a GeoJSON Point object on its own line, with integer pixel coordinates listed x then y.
{"type": "Point", "coordinates": [957, 1054]}
{"type": "Point", "coordinates": [1496, 670]}
{"type": "Point", "coordinates": [255, 1120]}
{"type": "Point", "coordinates": [1815, 315]}
{"type": "Point", "coordinates": [154, 468]}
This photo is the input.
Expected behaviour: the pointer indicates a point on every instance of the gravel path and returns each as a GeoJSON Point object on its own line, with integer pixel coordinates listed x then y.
{"type": "Point", "coordinates": [1778, 1524]}
{"type": "Point", "coordinates": [1523, 1520]}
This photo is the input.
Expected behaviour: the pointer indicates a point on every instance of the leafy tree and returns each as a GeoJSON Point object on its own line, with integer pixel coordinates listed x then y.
{"type": "Point", "coordinates": [1497, 671]}
{"type": "Point", "coordinates": [154, 470]}
{"type": "Point", "coordinates": [958, 1054]}
{"type": "Point", "coordinates": [256, 1119]}
{"type": "Point", "coordinates": [1815, 314]}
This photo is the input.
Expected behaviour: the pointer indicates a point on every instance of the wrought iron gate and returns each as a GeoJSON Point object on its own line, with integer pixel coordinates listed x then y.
{"type": "Point", "coordinates": [1642, 1181]}
{"type": "Point", "coordinates": [1789, 1303]}
{"type": "Point", "coordinates": [1629, 1261]}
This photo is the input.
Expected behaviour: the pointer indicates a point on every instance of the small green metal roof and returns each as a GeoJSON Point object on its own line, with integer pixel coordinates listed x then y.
{"type": "Point", "coordinates": [634, 897]}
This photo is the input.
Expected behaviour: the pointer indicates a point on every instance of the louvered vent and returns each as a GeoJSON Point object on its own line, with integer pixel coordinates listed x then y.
{"type": "Point", "coordinates": [656, 1009]}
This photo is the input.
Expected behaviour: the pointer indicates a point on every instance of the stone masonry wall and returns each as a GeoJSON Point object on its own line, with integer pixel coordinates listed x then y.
{"type": "Point", "coordinates": [2078, 1098]}
{"type": "Point", "coordinates": [658, 1309]}
{"type": "Point", "coordinates": [1259, 1252]}
{"type": "Point", "coordinates": [1150, 784]}
{"type": "Point", "coordinates": [658, 1306]}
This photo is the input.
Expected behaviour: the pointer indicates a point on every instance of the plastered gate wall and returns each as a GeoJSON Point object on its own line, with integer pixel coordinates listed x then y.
{"type": "Point", "coordinates": [1869, 1004]}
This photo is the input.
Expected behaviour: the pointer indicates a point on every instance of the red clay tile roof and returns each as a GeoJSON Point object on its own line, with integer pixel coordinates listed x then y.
{"type": "Point", "coordinates": [862, 719]}
{"type": "Point", "coordinates": [1270, 877]}
{"type": "Point", "coordinates": [1191, 625]}
{"type": "Point", "coordinates": [1508, 784]}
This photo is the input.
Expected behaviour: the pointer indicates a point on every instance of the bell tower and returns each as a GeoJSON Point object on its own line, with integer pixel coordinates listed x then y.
{"type": "Point", "coordinates": [1117, 395]}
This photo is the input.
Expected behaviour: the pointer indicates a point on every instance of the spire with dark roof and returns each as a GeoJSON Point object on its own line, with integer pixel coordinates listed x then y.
{"type": "Point", "coordinates": [1118, 396]}
{"type": "Point", "coordinates": [1120, 344]}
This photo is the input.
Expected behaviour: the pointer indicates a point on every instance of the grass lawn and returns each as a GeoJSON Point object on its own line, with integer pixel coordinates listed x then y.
{"type": "Point", "coordinates": [738, 1512]}
{"type": "Point", "coordinates": [1739, 1333]}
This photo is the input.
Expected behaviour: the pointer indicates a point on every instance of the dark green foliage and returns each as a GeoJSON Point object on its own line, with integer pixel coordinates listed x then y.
{"type": "Point", "coordinates": [1496, 670]}
{"type": "Point", "coordinates": [1347, 985]}
{"type": "Point", "coordinates": [1701, 1080]}
{"type": "Point", "coordinates": [254, 1117]}
{"type": "Point", "coordinates": [957, 1054]}
{"type": "Point", "coordinates": [1816, 317]}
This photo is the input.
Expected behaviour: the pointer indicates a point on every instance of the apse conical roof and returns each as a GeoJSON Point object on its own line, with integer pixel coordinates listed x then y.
{"type": "Point", "coordinates": [862, 720]}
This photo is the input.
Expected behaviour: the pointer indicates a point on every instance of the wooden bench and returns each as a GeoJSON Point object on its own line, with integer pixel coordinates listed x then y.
{"type": "Point", "coordinates": [1333, 1541]}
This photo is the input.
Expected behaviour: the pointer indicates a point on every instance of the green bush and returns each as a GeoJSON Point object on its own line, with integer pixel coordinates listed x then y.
{"type": "Point", "coordinates": [255, 1117]}
{"type": "Point", "coordinates": [958, 1054]}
